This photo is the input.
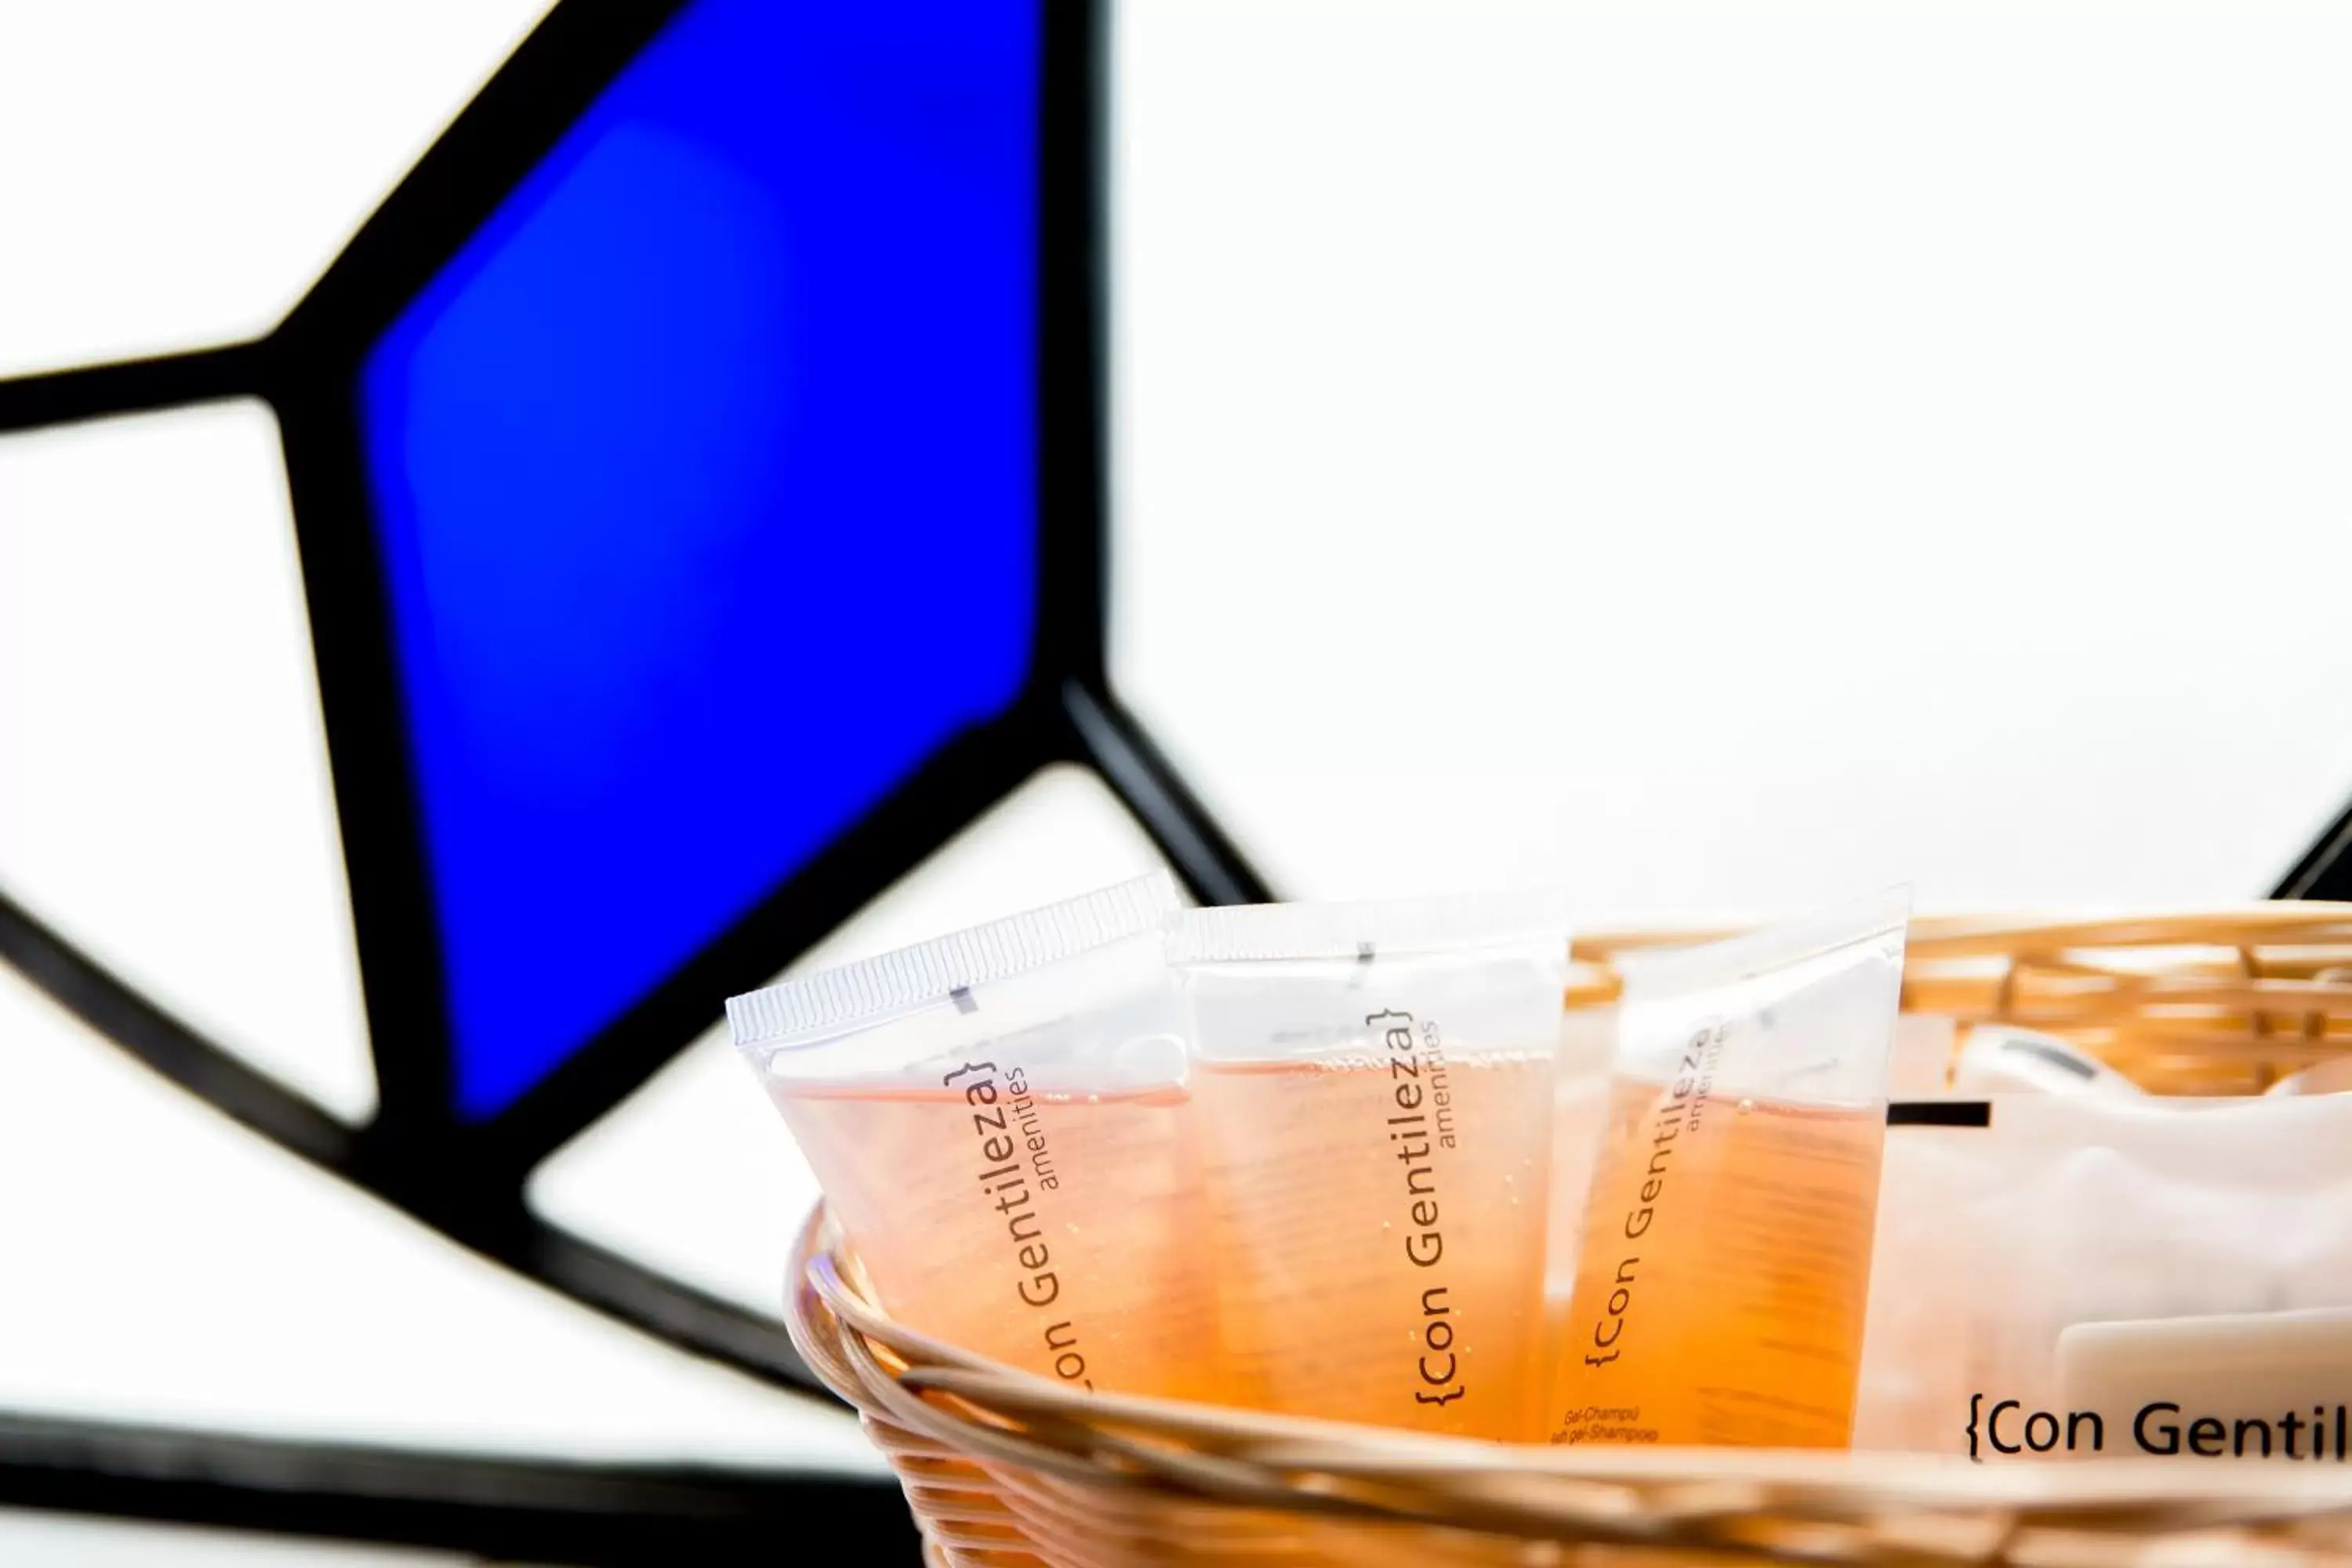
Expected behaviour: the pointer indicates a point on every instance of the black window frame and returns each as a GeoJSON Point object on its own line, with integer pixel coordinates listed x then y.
{"type": "Point", "coordinates": [464, 1178]}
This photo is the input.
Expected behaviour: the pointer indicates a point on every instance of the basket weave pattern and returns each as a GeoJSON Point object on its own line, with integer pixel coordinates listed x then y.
{"type": "Point", "coordinates": [1004, 1469]}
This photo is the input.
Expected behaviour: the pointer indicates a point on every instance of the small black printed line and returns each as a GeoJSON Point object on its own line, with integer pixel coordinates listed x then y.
{"type": "Point", "coordinates": [1940, 1113]}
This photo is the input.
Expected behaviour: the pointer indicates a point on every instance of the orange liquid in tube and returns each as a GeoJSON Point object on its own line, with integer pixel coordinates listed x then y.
{"type": "Point", "coordinates": [1373, 1090]}
{"type": "Point", "coordinates": [1723, 1268]}
{"type": "Point", "coordinates": [1066, 1241]}
{"type": "Point", "coordinates": [1000, 1122]}
{"type": "Point", "coordinates": [1725, 1308]}
{"type": "Point", "coordinates": [1381, 1260]}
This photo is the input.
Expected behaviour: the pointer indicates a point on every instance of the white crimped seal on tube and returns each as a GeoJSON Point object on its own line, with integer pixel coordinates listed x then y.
{"type": "Point", "coordinates": [1247, 933]}
{"type": "Point", "coordinates": [845, 996]}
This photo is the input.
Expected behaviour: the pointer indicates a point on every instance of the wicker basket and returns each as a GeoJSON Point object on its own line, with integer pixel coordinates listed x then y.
{"type": "Point", "coordinates": [1004, 1469]}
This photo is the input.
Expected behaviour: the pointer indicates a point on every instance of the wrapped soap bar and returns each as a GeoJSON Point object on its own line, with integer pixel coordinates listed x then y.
{"type": "Point", "coordinates": [2056, 1268]}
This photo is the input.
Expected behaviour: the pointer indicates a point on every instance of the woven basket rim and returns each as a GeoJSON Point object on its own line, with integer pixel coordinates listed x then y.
{"type": "Point", "coordinates": [828, 1310]}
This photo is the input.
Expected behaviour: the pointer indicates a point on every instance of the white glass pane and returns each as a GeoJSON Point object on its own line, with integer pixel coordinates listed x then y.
{"type": "Point", "coordinates": [30, 1539]}
{"type": "Point", "coordinates": [1731, 456]}
{"type": "Point", "coordinates": [165, 801]}
{"type": "Point", "coordinates": [167, 1266]}
{"type": "Point", "coordinates": [179, 174]}
{"type": "Point", "coordinates": [695, 1173]}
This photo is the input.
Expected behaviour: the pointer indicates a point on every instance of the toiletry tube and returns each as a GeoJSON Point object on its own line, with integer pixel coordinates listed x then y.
{"type": "Point", "coordinates": [1582, 1078]}
{"type": "Point", "coordinates": [1926, 1050]}
{"type": "Point", "coordinates": [1374, 1089]}
{"type": "Point", "coordinates": [1724, 1267]}
{"type": "Point", "coordinates": [1001, 1123]}
{"type": "Point", "coordinates": [2001, 1058]}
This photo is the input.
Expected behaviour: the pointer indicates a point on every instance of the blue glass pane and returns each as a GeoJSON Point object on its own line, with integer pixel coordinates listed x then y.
{"type": "Point", "coordinates": [704, 482]}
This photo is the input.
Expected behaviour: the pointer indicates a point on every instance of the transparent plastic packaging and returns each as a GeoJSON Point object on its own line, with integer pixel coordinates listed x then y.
{"type": "Point", "coordinates": [2081, 1275]}
{"type": "Point", "coordinates": [1724, 1264]}
{"type": "Point", "coordinates": [1927, 1053]}
{"type": "Point", "coordinates": [1374, 1088]}
{"type": "Point", "coordinates": [1582, 1083]}
{"type": "Point", "coordinates": [1001, 1123]}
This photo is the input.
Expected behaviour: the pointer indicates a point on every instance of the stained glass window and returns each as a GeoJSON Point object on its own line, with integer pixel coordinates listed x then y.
{"type": "Point", "coordinates": [165, 798]}
{"type": "Point", "coordinates": [693, 1173]}
{"type": "Point", "coordinates": [704, 484]}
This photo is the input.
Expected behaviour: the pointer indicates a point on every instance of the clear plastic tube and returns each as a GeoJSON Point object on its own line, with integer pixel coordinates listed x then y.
{"type": "Point", "coordinates": [1724, 1262]}
{"type": "Point", "coordinates": [1375, 1092]}
{"type": "Point", "coordinates": [999, 1121]}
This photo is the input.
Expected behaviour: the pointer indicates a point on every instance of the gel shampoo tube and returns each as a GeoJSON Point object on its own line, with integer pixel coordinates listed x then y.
{"type": "Point", "coordinates": [1001, 1125]}
{"type": "Point", "coordinates": [1374, 1088]}
{"type": "Point", "coordinates": [1724, 1262]}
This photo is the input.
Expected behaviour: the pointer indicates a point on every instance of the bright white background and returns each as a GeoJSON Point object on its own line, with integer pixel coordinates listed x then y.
{"type": "Point", "coordinates": [1719, 457]}
{"type": "Point", "coordinates": [1723, 455]}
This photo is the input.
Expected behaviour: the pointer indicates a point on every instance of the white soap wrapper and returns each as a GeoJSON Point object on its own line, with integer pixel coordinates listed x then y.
{"type": "Point", "coordinates": [2062, 1212]}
